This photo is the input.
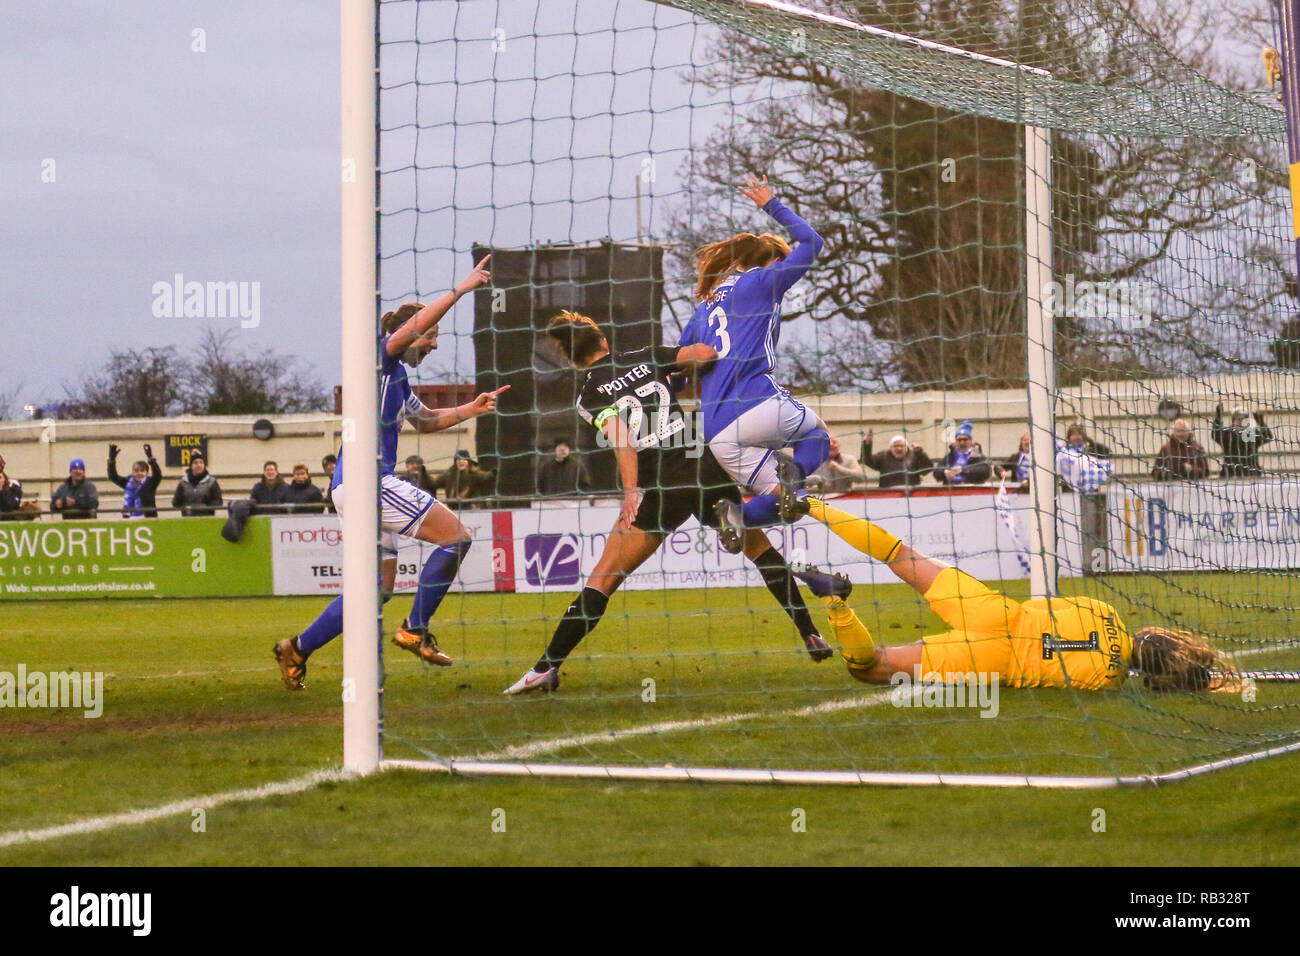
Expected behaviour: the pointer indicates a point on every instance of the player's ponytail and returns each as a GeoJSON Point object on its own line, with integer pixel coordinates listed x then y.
{"type": "Point", "coordinates": [578, 336]}
{"type": "Point", "coordinates": [1171, 660]}
{"type": "Point", "coordinates": [392, 321]}
{"type": "Point", "coordinates": [717, 260]}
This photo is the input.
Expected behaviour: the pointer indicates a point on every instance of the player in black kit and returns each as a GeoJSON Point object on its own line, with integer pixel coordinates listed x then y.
{"type": "Point", "coordinates": [627, 397]}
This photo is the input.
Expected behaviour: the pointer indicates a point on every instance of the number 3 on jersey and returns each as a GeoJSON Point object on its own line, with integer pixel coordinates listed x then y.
{"type": "Point", "coordinates": [719, 317]}
{"type": "Point", "coordinates": [665, 427]}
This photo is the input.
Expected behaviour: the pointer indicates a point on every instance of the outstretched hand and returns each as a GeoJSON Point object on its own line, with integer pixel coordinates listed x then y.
{"type": "Point", "coordinates": [148, 452]}
{"type": "Point", "coordinates": [478, 277]}
{"type": "Point", "coordinates": [757, 190]}
{"type": "Point", "coordinates": [487, 401]}
{"type": "Point", "coordinates": [112, 451]}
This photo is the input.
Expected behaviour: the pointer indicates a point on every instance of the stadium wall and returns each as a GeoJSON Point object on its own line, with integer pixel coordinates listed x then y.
{"type": "Point", "coordinates": [1247, 525]}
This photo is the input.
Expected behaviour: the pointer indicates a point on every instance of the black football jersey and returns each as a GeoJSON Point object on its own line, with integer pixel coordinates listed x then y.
{"type": "Point", "coordinates": [634, 386]}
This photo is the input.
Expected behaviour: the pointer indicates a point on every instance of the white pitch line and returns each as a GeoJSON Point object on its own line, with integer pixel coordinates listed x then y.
{"type": "Point", "coordinates": [671, 726]}
{"type": "Point", "coordinates": [177, 808]}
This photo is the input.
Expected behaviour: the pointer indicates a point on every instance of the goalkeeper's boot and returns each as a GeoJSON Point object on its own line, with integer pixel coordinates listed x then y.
{"type": "Point", "coordinates": [818, 649]}
{"type": "Point", "coordinates": [823, 583]}
{"type": "Point", "coordinates": [731, 525]}
{"type": "Point", "coordinates": [793, 505]}
{"type": "Point", "coordinates": [293, 666]}
{"type": "Point", "coordinates": [536, 680]}
{"type": "Point", "coordinates": [421, 643]}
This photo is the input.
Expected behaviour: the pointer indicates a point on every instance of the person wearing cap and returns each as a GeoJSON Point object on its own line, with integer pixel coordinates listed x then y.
{"type": "Point", "coordinates": [563, 473]}
{"type": "Point", "coordinates": [965, 463]}
{"type": "Point", "coordinates": [900, 465]}
{"type": "Point", "coordinates": [418, 475]}
{"type": "Point", "coordinates": [465, 481]}
{"type": "Point", "coordinates": [198, 494]}
{"type": "Point", "coordinates": [77, 497]}
{"type": "Point", "coordinates": [139, 499]}
{"type": "Point", "coordinates": [1182, 457]}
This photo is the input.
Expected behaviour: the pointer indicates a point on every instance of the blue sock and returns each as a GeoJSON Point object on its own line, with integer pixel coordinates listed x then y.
{"type": "Point", "coordinates": [324, 629]}
{"type": "Point", "coordinates": [327, 627]}
{"type": "Point", "coordinates": [812, 450]}
{"type": "Point", "coordinates": [435, 578]}
{"type": "Point", "coordinates": [761, 511]}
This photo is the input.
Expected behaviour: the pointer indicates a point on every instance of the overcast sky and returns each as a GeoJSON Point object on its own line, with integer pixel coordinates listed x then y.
{"type": "Point", "coordinates": [136, 149]}
{"type": "Point", "coordinates": [145, 139]}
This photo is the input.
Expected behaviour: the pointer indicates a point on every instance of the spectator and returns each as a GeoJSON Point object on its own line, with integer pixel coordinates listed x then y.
{"type": "Point", "coordinates": [562, 474]}
{"type": "Point", "coordinates": [464, 481]}
{"type": "Point", "coordinates": [77, 497]}
{"type": "Point", "coordinates": [141, 489]}
{"type": "Point", "coordinates": [301, 495]}
{"type": "Point", "coordinates": [11, 494]}
{"type": "Point", "coordinates": [1019, 465]}
{"type": "Point", "coordinates": [898, 465]}
{"type": "Point", "coordinates": [418, 475]}
{"type": "Point", "coordinates": [269, 492]}
{"type": "Point", "coordinates": [328, 464]}
{"type": "Point", "coordinates": [1081, 470]}
{"type": "Point", "coordinates": [1182, 457]}
{"type": "Point", "coordinates": [965, 463]}
{"type": "Point", "coordinates": [1240, 442]}
{"type": "Point", "coordinates": [1076, 437]}
{"type": "Point", "coordinates": [837, 473]}
{"type": "Point", "coordinates": [197, 494]}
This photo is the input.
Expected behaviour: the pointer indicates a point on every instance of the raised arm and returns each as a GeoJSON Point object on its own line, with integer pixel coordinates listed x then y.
{"type": "Point", "coordinates": [437, 419]}
{"type": "Point", "coordinates": [432, 314]}
{"type": "Point", "coordinates": [785, 272]}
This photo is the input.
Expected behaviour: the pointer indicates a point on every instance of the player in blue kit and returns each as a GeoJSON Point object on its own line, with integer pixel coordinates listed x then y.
{"type": "Point", "coordinates": [410, 334]}
{"type": "Point", "coordinates": [747, 415]}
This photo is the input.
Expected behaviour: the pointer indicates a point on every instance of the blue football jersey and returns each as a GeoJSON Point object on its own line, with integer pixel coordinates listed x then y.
{"type": "Point", "coordinates": [742, 320]}
{"type": "Point", "coordinates": [396, 401]}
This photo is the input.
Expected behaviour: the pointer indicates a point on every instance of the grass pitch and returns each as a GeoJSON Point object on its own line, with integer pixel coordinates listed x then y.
{"type": "Point", "coordinates": [194, 707]}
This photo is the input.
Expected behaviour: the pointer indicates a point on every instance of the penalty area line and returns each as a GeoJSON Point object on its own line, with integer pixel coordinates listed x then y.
{"type": "Point", "coordinates": [175, 808]}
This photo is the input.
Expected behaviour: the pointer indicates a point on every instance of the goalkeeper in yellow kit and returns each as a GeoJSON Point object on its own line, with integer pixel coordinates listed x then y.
{"type": "Point", "coordinates": [1054, 642]}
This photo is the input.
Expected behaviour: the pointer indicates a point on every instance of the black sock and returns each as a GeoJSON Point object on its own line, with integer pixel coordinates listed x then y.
{"type": "Point", "coordinates": [578, 621]}
{"type": "Point", "coordinates": [784, 587]}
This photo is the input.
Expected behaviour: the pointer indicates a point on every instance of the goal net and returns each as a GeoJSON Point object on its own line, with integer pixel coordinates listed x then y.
{"type": "Point", "coordinates": [590, 148]}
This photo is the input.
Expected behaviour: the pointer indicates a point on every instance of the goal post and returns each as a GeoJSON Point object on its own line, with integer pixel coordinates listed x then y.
{"type": "Point", "coordinates": [362, 624]}
{"type": "Point", "coordinates": [567, 138]}
{"type": "Point", "coordinates": [1040, 335]}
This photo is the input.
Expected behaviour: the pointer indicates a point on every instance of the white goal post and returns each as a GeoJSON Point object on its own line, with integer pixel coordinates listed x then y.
{"type": "Point", "coordinates": [362, 624]}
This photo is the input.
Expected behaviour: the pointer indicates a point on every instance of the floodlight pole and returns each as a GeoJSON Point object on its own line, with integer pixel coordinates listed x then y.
{"type": "Point", "coordinates": [360, 303]}
{"type": "Point", "coordinates": [1040, 329]}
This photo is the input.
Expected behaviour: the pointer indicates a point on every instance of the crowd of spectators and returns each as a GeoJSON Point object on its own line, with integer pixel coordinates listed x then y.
{"type": "Point", "coordinates": [1083, 464]}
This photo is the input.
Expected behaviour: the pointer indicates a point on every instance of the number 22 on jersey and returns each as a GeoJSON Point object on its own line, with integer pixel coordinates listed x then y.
{"type": "Point", "coordinates": [665, 424]}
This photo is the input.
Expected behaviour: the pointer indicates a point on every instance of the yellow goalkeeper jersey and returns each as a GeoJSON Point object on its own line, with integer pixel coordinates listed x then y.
{"type": "Point", "coordinates": [1053, 642]}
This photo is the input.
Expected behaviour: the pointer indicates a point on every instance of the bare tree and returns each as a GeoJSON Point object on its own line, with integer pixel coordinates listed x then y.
{"type": "Point", "coordinates": [137, 383]}
{"type": "Point", "coordinates": [215, 380]}
{"type": "Point", "coordinates": [921, 282]}
{"type": "Point", "coordinates": [228, 382]}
